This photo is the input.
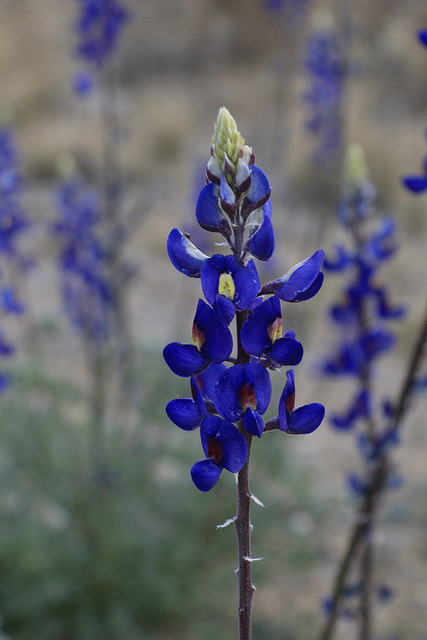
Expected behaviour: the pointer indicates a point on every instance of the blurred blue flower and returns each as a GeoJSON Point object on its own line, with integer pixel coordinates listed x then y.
{"type": "Point", "coordinates": [83, 263]}
{"type": "Point", "coordinates": [98, 28]}
{"type": "Point", "coordinates": [326, 70]}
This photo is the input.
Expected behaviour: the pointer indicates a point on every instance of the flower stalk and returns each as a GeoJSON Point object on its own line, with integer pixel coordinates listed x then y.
{"type": "Point", "coordinates": [228, 403]}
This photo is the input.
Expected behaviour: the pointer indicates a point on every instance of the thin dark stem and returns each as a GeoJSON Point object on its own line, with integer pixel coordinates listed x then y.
{"type": "Point", "coordinates": [377, 481]}
{"type": "Point", "coordinates": [243, 529]}
{"type": "Point", "coordinates": [366, 572]}
{"type": "Point", "coordinates": [242, 520]}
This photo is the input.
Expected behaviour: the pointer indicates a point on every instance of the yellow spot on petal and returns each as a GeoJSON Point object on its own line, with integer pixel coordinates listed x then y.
{"type": "Point", "coordinates": [226, 286]}
{"type": "Point", "coordinates": [198, 336]}
{"type": "Point", "coordinates": [275, 330]}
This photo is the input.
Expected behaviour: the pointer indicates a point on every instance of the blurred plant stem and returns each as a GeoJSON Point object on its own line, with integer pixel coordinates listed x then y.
{"type": "Point", "coordinates": [361, 531]}
{"type": "Point", "coordinates": [113, 189]}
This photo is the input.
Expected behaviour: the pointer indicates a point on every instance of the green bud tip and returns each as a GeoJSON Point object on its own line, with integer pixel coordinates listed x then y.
{"type": "Point", "coordinates": [355, 166]}
{"type": "Point", "coordinates": [227, 141]}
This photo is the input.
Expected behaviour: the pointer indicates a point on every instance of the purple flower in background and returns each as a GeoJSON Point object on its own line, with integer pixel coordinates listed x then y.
{"type": "Point", "coordinates": [98, 27]}
{"type": "Point", "coordinates": [326, 70]}
{"type": "Point", "coordinates": [85, 283]}
{"type": "Point", "coordinates": [13, 222]}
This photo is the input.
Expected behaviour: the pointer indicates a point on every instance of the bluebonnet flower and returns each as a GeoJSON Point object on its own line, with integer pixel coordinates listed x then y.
{"type": "Point", "coordinates": [98, 27]}
{"type": "Point", "coordinates": [365, 304]}
{"type": "Point", "coordinates": [326, 71]}
{"type": "Point", "coordinates": [85, 281]}
{"type": "Point", "coordinates": [363, 312]}
{"type": "Point", "coordinates": [13, 222]}
{"type": "Point", "coordinates": [228, 402]}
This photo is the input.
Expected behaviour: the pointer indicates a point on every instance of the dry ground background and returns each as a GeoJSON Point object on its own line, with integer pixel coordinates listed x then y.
{"type": "Point", "coordinates": [181, 61]}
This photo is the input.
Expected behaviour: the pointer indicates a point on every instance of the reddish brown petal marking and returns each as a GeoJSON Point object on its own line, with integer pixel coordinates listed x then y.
{"type": "Point", "coordinates": [214, 450]}
{"type": "Point", "coordinates": [290, 403]}
{"type": "Point", "coordinates": [247, 397]}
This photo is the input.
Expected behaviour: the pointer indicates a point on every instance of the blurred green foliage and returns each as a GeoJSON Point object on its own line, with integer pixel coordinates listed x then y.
{"type": "Point", "coordinates": [130, 551]}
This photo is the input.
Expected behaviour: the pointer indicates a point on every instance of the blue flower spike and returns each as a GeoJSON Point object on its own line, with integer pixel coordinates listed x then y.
{"type": "Point", "coordinates": [231, 394]}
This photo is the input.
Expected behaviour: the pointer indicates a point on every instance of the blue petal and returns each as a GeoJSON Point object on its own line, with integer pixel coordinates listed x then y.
{"type": "Point", "coordinates": [288, 392]}
{"type": "Point", "coordinates": [225, 309]}
{"type": "Point", "coordinates": [218, 343]}
{"type": "Point", "coordinates": [208, 214]}
{"type": "Point", "coordinates": [417, 184]}
{"type": "Point", "coordinates": [246, 281]}
{"type": "Point", "coordinates": [254, 334]}
{"type": "Point", "coordinates": [205, 474]}
{"type": "Point", "coordinates": [210, 275]}
{"type": "Point", "coordinates": [208, 430]}
{"type": "Point", "coordinates": [259, 191]}
{"type": "Point", "coordinates": [183, 359]}
{"type": "Point", "coordinates": [226, 393]}
{"type": "Point", "coordinates": [286, 351]}
{"type": "Point", "coordinates": [207, 380]}
{"type": "Point", "coordinates": [235, 448]}
{"type": "Point", "coordinates": [259, 378]}
{"type": "Point", "coordinates": [422, 36]}
{"type": "Point", "coordinates": [226, 193]}
{"type": "Point", "coordinates": [300, 277]}
{"type": "Point", "coordinates": [185, 413]}
{"type": "Point", "coordinates": [253, 422]}
{"type": "Point", "coordinates": [261, 245]}
{"type": "Point", "coordinates": [306, 419]}
{"type": "Point", "coordinates": [311, 290]}
{"type": "Point", "coordinates": [184, 255]}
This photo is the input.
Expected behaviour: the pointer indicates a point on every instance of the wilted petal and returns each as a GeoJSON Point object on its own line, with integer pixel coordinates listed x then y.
{"type": "Point", "coordinates": [184, 255]}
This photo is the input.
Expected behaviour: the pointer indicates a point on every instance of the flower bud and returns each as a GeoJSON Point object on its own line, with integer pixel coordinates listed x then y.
{"type": "Point", "coordinates": [227, 140]}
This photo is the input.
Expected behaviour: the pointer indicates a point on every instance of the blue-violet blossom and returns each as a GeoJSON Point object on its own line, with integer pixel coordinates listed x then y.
{"type": "Point", "coordinates": [230, 395]}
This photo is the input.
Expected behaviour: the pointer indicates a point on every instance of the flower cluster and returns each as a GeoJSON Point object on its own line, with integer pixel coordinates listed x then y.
{"type": "Point", "coordinates": [86, 289]}
{"type": "Point", "coordinates": [228, 403]}
{"type": "Point", "coordinates": [98, 28]}
{"type": "Point", "coordinates": [326, 71]}
{"type": "Point", "coordinates": [364, 308]}
{"type": "Point", "coordinates": [13, 221]}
